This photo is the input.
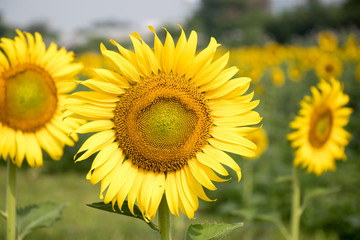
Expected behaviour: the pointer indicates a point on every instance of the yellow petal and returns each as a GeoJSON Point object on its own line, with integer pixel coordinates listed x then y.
{"type": "Point", "coordinates": [228, 147]}
{"type": "Point", "coordinates": [171, 193]}
{"type": "Point", "coordinates": [200, 175]}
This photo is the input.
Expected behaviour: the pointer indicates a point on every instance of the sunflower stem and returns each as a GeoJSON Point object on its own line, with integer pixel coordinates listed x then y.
{"type": "Point", "coordinates": [11, 201]}
{"type": "Point", "coordinates": [248, 182]}
{"type": "Point", "coordinates": [164, 220]}
{"type": "Point", "coordinates": [247, 196]}
{"type": "Point", "coordinates": [296, 210]}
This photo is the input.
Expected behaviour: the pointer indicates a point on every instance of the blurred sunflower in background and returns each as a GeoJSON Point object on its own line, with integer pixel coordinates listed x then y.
{"type": "Point", "coordinates": [259, 137]}
{"type": "Point", "coordinates": [277, 76]}
{"type": "Point", "coordinates": [33, 84]}
{"type": "Point", "coordinates": [319, 136]}
{"type": "Point", "coordinates": [294, 73]}
{"type": "Point", "coordinates": [164, 118]}
{"type": "Point", "coordinates": [327, 41]}
{"type": "Point", "coordinates": [328, 66]}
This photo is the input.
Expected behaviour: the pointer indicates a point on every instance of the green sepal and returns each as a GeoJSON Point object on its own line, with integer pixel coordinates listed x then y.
{"type": "Point", "coordinates": [124, 211]}
{"type": "Point", "coordinates": [37, 216]}
{"type": "Point", "coordinates": [213, 231]}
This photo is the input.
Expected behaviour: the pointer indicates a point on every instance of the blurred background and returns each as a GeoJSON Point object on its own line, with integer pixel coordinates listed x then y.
{"type": "Point", "coordinates": [285, 46]}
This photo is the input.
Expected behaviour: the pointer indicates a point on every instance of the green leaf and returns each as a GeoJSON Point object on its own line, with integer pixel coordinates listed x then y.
{"type": "Point", "coordinates": [37, 216]}
{"type": "Point", "coordinates": [276, 220]}
{"type": "Point", "coordinates": [283, 179]}
{"type": "Point", "coordinates": [247, 213]}
{"type": "Point", "coordinates": [3, 214]}
{"type": "Point", "coordinates": [125, 211]}
{"type": "Point", "coordinates": [207, 231]}
{"type": "Point", "coordinates": [317, 192]}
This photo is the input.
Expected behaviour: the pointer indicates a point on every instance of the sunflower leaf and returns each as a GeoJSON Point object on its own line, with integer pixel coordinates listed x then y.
{"type": "Point", "coordinates": [124, 211]}
{"type": "Point", "coordinates": [213, 231]}
{"type": "Point", "coordinates": [317, 192]}
{"type": "Point", "coordinates": [276, 220]}
{"type": "Point", "coordinates": [37, 216]}
{"type": "Point", "coordinates": [3, 214]}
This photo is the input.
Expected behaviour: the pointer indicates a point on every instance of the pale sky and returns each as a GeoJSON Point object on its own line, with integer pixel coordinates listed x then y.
{"type": "Point", "coordinates": [71, 15]}
{"type": "Point", "coordinates": [66, 15]}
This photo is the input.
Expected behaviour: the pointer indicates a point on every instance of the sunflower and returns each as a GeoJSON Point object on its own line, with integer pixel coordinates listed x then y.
{"type": "Point", "coordinates": [327, 41]}
{"type": "Point", "coordinates": [163, 119]}
{"type": "Point", "coordinates": [278, 77]}
{"type": "Point", "coordinates": [320, 137]}
{"type": "Point", "coordinates": [328, 66]}
{"type": "Point", "coordinates": [260, 138]}
{"type": "Point", "coordinates": [33, 83]}
{"type": "Point", "coordinates": [294, 73]}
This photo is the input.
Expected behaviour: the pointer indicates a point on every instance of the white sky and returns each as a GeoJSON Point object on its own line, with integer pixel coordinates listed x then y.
{"type": "Point", "coordinates": [70, 15]}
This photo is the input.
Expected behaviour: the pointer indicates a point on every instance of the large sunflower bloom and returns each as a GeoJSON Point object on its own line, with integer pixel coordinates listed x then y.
{"type": "Point", "coordinates": [33, 83]}
{"type": "Point", "coordinates": [164, 118]}
{"type": "Point", "coordinates": [320, 137]}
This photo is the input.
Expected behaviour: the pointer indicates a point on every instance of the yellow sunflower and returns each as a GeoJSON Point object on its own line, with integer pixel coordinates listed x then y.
{"type": "Point", "coordinates": [164, 118]}
{"type": "Point", "coordinates": [294, 73]}
{"type": "Point", "coordinates": [327, 41]}
{"type": "Point", "coordinates": [33, 84]}
{"type": "Point", "coordinates": [320, 137]}
{"type": "Point", "coordinates": [277, 76]}
{"type": "Point", "coordinates": [328, 66]}
{"type": "Point", "coordinates": [260, 138]}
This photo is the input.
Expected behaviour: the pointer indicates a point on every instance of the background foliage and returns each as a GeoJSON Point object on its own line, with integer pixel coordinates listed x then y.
{"type": "Point", "coordinates": [239, 25]}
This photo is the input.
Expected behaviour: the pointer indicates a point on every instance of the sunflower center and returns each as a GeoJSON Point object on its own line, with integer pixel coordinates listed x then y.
{"type": "Point", "coordinates": [166, 123]}
{"type": "Point", "coordinates": [28, 98]}
{"type": "Point", "coordinates": [329, 68]}
{"type": "Point", "coordinates": [162, 122]}
{"type": "Point", "coordinates": [320, 128]}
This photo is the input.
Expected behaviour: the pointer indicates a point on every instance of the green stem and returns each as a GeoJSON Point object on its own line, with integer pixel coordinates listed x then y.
{"type": "Point", "coordinates": [164, 220]}
{"type": "Point", "coordinates": [247, 195]}
{"type": "Point", "coordinates": [296, 210]}
{"type": "Point", "coordinates": [11, 201]}
{"type": "Point", "coordinates": [248, 182]}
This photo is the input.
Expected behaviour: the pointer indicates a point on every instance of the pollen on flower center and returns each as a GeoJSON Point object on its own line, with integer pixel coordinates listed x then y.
{"type": "Point", "coordinates": [166, 123]}
{"type": "Point", "coordinates": [28, 98]}
{"type": "Point", "coordinates": [162, 122]}
{"type": "Point", "coordinates": [320, 128]}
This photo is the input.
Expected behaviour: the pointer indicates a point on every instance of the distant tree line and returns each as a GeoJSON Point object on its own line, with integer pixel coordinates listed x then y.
{"type": "Point", "coordinates": [247, 22]}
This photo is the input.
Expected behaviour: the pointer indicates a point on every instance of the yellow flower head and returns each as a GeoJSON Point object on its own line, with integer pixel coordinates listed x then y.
{"type": "Point", "coordinates": [294, 73]}
{"type": "Point", "coordinates": [327, 41]}
{"type": "Point", "coordinates": [255, 73]}
{"type": "Point", "coordinates": [91, 60]}
{"type": "Point", "coordinates": [278, 77]}
{"type": "Point", "coordinates": [320, 137]}
{"type": "Point", "coordinates": [164, 118]}
{"type": "Point", "coordinates": [33, 84]}
{"type": "Point", "coordinates": [260, 138]}
{"type": "Point", "coordinates": [307, 57]}
{"type": "Point", "coordinates": [328, 67]}
{"type": "Point", "coordinates": [351, 48]}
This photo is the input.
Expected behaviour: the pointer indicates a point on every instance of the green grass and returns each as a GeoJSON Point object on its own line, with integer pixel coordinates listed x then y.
{"type": "Point", "coordinates": [79, 221]}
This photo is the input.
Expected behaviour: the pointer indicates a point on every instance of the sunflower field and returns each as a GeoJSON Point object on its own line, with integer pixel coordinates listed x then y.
{"type": "Point", "coordinates": [182, 136]}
